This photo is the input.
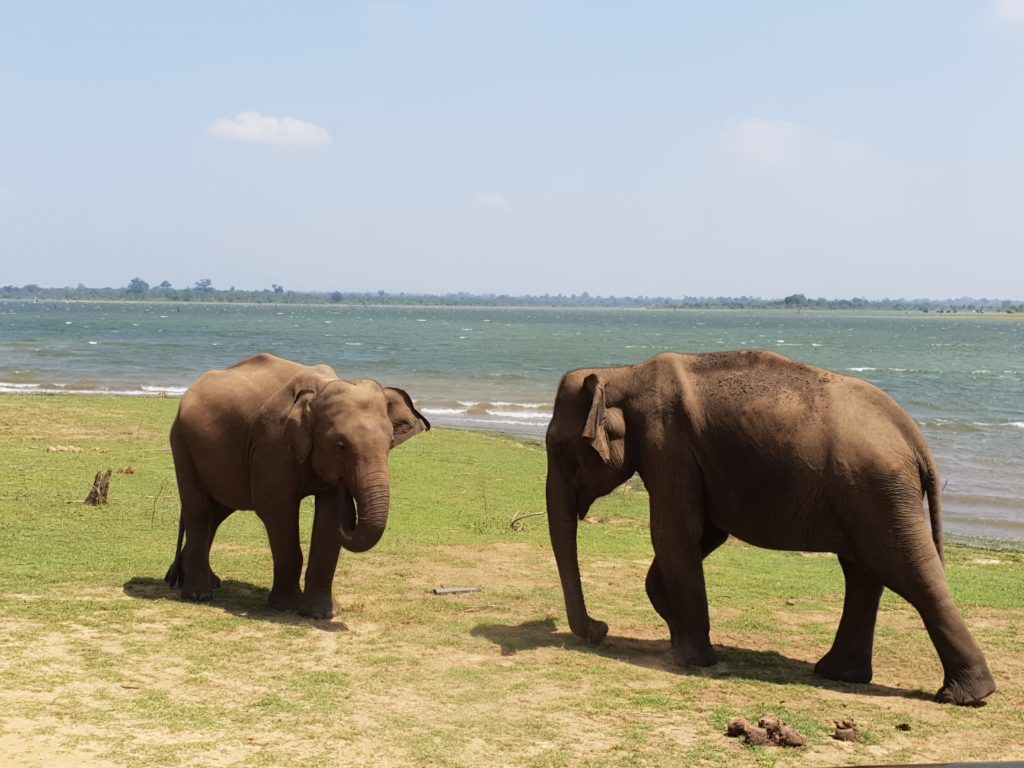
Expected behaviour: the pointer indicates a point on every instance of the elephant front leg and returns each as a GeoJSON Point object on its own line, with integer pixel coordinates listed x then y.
{"type": "Point", "coordinates": [711, 539]}
{"type": "Point", "coordinates": [282, 524]}
{"type": "Point", "coordinates": [332, 508]}
{"type": "Point", "coordinates": [849, 659]}
{"type": "Point", "coordinates": [681, 596]}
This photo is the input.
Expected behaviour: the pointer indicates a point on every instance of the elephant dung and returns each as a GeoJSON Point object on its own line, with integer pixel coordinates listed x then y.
{"type": "Point", "coordinates": [737, 726]}
{"type": "Point", "coordinates": [846, 730]}
{"type": "Point", "coordinates": [769, 730]}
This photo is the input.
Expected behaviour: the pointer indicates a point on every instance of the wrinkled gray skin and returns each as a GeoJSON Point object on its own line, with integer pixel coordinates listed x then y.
{"type": "Point", "coordinates": [778, 454]}
{"type": "Point", "coordinates": [263, 435]}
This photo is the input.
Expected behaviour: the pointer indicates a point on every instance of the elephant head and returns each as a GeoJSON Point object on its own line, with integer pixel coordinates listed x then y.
{"type": "Point", "coordinates": [347, 429]}
{"type": "Point", "coordinates": [588, 456]}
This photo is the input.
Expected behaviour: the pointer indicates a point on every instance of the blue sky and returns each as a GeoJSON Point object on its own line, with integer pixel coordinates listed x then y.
{"type": "Point", "coordinates": [835, 149]}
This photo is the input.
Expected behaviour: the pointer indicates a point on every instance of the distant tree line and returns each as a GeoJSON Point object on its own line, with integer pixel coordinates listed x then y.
{"type": "Point", "coordinates": [203, 290]}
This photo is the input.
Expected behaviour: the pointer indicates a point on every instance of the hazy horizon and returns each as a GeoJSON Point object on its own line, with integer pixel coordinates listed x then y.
{"type": "Point", "coordinates": [157, 292]}
{"type": "Point", "coordinates": [834, 149]}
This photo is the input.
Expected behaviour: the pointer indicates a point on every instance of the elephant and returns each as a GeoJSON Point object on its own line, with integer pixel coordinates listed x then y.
{"type": "Point", "coordinates": [780, 455]}
{"type": "Point", "coordinates": [264, 434]}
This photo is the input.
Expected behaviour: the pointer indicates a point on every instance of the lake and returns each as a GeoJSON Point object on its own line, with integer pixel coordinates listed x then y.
{"type": "Point", "coordinates": [960, 376]}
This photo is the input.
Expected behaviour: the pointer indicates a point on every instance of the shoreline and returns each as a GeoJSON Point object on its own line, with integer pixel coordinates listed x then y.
{"type": "Point", "coordinates": [996, 314]}
{"type": "Point", "coordinates": [528, 433]}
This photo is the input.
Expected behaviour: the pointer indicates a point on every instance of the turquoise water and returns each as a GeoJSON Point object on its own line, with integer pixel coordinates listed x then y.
{"type": "Point", "coordinates": [961, 377]}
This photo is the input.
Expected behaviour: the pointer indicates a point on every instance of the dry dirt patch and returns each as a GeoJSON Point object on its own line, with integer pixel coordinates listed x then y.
{"type": "Point", "coordinates": [416, 679]}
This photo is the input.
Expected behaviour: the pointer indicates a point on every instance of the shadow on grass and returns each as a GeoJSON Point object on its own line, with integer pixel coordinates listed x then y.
{"type": "Point", "coordinates": [733, 663]}
{"type": "Point", "coordinates": [239, 598]}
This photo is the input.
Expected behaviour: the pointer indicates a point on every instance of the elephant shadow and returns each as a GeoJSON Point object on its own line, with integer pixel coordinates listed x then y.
{"type": "Point", "coordinates": [733, 662]}
{"type": "Point", "coordinates": [238, 598]}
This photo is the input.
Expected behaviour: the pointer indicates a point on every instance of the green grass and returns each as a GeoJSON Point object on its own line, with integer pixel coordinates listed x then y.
{"type": "Point", "coordinates": [101, 664]}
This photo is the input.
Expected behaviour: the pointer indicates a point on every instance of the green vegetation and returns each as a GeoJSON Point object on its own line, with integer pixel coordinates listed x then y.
{"type": "Point", "coordinates": [101, 664]}
{"type": "Point", "coordinates": [204, 291]}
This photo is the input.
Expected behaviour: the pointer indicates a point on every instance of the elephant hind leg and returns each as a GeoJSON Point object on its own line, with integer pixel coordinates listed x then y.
{"type": "Point", "coordinates": [849, 659]}
{"type": "Point", "coordinates": [218, 515]}
{"type": "Point", "coordinates": [916, 574]}
{"type": "Point", "coordinates": [966, 677]}
{"type": "Point", "coordinates": [175, 575]}
{"type": "Point", "coordinates": [191, 567]}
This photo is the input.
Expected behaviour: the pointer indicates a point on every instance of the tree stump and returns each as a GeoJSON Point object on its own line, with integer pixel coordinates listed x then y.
{"type": "Point", "coordinates": [100, 489]}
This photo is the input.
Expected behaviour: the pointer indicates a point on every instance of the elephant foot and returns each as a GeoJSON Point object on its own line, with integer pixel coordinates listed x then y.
{"type": "Point", "coordinates": [196, 595]}
{"type": "Point", "coordinates": [175, 577]}
{"type": "Point", "coordinates": [694, 654]}
{"type": "Point", "coordinates": [845, 669]}
{"type": "Point", "coordinates": [968, 688]}
{"type": "Point", "coordinates": [318, 606]}
{"type": "Point", "coordinates": [284, 600]}
{"type": "Point", "coordinates": [594, 633]}
{"type": "Point", "coordinates": [198, 589]}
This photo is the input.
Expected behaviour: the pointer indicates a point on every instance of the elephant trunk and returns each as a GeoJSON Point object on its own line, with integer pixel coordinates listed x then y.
{"type": "Point", "coordinates": [373, 500]}
{"type": "Point", "coordinates": [563, 516]}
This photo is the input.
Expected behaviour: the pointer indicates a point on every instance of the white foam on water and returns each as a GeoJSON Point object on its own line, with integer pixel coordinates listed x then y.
{"type": "Point", "coordinates": [164, 390]}
{"type": "Point", "coordinates": [521, 415]}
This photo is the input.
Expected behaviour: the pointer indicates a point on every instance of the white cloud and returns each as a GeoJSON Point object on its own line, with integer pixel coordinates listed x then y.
{"type": "Point", "coordinates": [493, 202]}
{"type": "Point", "coordinates": [789, 146]}
{"type": "Point", "coordinates": [773, 143]}
{"type": "Point", "coordinates": [267, 129]}
{"type": "Point", "coordinates": [1008, 10]}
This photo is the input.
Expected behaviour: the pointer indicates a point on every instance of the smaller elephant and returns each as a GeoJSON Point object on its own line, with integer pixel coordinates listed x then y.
{"type": "Point", "coordinates": [779, 454]}
{"type": "Point", "coordinates": [263, 435]}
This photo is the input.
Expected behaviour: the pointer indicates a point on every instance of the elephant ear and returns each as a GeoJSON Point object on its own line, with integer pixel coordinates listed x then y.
{"type": "Point", "coordinates": [596, 427]}
{"type": "Point", "coordinates": [405, 419]}
{"type": "Point", "coordinates": [298, 427]}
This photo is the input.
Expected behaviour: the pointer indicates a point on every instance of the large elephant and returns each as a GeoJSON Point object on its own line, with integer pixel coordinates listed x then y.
{"type": "Point", "coordinates": [263, 435]}
{"type": "Point", "coordinates": [779, 454]}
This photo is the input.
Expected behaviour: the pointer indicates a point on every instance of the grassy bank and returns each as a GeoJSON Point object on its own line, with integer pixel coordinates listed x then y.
{"type": "Point", "coordinates": [101, 664]}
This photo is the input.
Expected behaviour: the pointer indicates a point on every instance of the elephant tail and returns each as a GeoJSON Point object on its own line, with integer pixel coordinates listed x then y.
{"type": "Point", "coordinates": [173, 576]}
{"type": "Point", "coordinates": [930, 482]}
